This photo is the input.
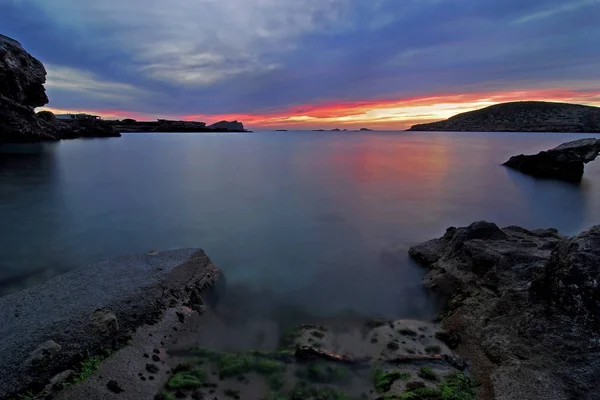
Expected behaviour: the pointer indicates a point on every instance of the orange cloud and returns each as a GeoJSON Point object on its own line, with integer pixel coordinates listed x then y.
{"type": "Point", "coordinates": [394, 114]}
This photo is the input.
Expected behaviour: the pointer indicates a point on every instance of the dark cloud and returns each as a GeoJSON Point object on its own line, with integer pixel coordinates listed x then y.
{"type": "Point", "coordinates": [240, 56]}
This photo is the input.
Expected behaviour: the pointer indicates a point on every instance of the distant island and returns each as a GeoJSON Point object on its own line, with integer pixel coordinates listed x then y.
{"type": "Point", "coordinates": [164, 125]}
{"type": "Point", "coordinates": [524, 116]}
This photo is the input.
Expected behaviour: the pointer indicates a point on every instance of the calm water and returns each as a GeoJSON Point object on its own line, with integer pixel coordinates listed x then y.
{"type": "Point", "coordinates": [299, 218]}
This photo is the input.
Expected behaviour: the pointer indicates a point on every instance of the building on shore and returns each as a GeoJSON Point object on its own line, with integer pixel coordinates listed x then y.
{"type": "Point", "coordinates": [77, 116]}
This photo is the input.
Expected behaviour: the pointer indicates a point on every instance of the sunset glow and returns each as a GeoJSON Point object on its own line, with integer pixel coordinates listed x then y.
{"type": "Point", "coordinates": [397, 114]}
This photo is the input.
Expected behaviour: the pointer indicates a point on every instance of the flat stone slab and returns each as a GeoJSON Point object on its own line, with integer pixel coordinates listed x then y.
{"type": "Point", "coordinates": [49, 327]}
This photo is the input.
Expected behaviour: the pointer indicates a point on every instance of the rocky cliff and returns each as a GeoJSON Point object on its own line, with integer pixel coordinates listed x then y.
{"type": "Point", "coordinates": [525, 116]}
{"type": "Point", "coordinates": [22, 79]}
{"type": "Point", "coordinates": [524, 308]}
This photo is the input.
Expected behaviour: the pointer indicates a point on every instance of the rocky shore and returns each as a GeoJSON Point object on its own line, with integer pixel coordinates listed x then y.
{"type": "Point", "coordinates": [57, 334]}
{"type": "Point", "coordinates": [22, 79]}
{"type": "Point", "coordinates": [522, 322]}
{"type": "Point", "coordinates": [523, 116]}
{"type": "Point", "coordinates": [524, 308]}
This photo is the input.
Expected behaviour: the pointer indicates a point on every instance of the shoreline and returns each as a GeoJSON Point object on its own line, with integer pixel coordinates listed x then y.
{"type": "Point", "coordinates": [138, 318]}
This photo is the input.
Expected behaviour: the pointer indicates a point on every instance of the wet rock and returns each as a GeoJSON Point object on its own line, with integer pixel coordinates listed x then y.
{"type": "Point", "coordinates": [521, 302]}
{"type": "Point", "coordinates": [152, 368]}
{"type": "Point", "coordinates": [198, 395]}
{"type": "Point", "coordinates": [571, 279]}
{"type": "Point", "coordinates": [180, 316]}
{"type": "Point", "coordinates": [104, 322]}
{"type": "Point", "coordinates": [43, 354]}
{"type": "Point", "coordinates": [393, 346]}
{"type": "Point", "coordinates": [564, 162]}
{"type": "Point", "coordinates": [414, 385]}
{"type": "Point", "coordinates": [114, 387]}
{"type": "Point", "coordinates": [62, 377]}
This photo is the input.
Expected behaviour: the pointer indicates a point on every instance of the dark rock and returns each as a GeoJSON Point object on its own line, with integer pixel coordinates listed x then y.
{"type": "Point", "coordinates": [570, 281]}
{"type": "Point", "coordinates": [22, 76]}
{"type": "Point", "coordinates": [155, 358]}
{"type": "Point", "coordinates": [156, 351]}
{"type": "Point", "coordinates": [524, 308]}
{"type": "Point", "coordinates": [393, 346]}
{"type": "Point", "coordinates": [565, 162]}
{"type": "Point", "coordinates": [152, 368]}
{"type": "Point", "coordinates": [198, 395]}
{"type": "Point", "coordinates": [452, 340]}
{"type": "Point", "coordinates": [114, 387]}
{"type": "Point", "coordinates": [522, 116]}
{"type": "Point", "coordinates": [180, 316]}
{"type": "Point", "coordinates": [104, 322]}
{"type": "Point", "coordinates": [410, 386]}
{"type": "Point", "coordinates": [43, 354]}
{"type": "Point", "coordinates": [376, 323]}
{"type": "Point", "coordinates": [47, 116]}
{"type": "Point", "coordinates": [365, 130]}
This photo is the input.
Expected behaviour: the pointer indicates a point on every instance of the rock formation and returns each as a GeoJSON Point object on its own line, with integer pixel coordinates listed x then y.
{"type": "Point", "coordinates": [524, 116]}
{"type": "Point", "coordinates": [48, 329]}
{"type": "Point", "coordinates": [168, 126]}
{"type": "Point", "coordinates": [227, 126]}
{"type": "Point", "coordinates": [365, 130]}
{"type": "Point", "coordinates": [565, 162]}
{"type": "Point", "coordinates": [524, 308]}
{"type": "Point", "coordinates": [22, 79]}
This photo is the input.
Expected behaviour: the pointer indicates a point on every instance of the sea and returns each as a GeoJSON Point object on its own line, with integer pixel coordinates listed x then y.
{"type": "Point", "coordinates": [316, 222]}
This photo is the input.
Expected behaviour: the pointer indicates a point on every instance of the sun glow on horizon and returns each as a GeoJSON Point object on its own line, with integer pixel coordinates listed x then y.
{"type": "Point", "coordinates": [396, 114]}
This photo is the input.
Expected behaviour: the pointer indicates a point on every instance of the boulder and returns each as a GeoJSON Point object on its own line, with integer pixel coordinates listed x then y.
{"type": "Point", "coordinates": [43, 354]}
{"type": "Point", "coordinates": [227, 126]}
{"type": "Point", "coordinates": [522, 307]}
{"type": "Point", "coordinates": [564, 162]}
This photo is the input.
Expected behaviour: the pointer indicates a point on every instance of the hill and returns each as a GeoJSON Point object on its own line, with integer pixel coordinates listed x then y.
{"type": "Point", "coordinates": [524, 116]}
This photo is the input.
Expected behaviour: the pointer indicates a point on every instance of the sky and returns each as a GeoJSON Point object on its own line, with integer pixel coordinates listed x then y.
{"type": "Point", "coordinates": [308, 64]}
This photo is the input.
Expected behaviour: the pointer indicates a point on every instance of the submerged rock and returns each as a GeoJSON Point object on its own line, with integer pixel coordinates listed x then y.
{"type": "Point", "coordinates": [565, 162]}
{"type": "Point", "coordinates": [523, 307]}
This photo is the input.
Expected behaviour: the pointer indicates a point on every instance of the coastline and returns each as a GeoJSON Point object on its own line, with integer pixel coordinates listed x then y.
{"type": "Point", "coordinates": [502, 325]}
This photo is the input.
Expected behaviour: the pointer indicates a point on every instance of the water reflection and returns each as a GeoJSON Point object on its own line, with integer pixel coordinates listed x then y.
{"type": "Point", "coordinates": [30, 195]}
{"type": "Point", "coordinates": [569, 201]}
{"type": "Point", "coordinates": [300, 219]}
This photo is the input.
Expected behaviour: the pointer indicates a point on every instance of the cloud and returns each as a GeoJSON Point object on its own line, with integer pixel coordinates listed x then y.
{"type": "Point", "coordinates": [68, 79]}
{"type": "Point", "coordinates": [267, 57]}
{"type": "Point", "coordinates": [199, 42]}
{"type": "Point", "coordinates": [570, 6]}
